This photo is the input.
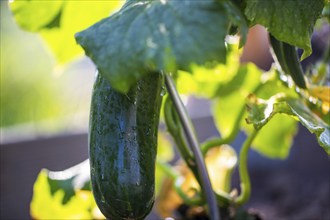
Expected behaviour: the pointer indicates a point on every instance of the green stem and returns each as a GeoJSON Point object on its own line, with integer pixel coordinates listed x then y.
{"type": "Point", "coordinates": [170, 171]}
{"type": "Point", "coordinates": [226, 140]}
{"type": "Point", "coordinates": [197, 201]}
{"type": "Point", "coordinates": [231, 137]}
{"type": "Point", "coordinates": [175, 129]}
{"type": "Point", "coordinates": [194, 146]}
{"type": "Point", "coordinates": [223, 198]}
{"type": "Point", "coordinates": [243, 170]}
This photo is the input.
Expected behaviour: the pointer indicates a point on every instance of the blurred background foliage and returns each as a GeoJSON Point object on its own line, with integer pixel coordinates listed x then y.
{"type": "Point", "coordinates": [45, 82]}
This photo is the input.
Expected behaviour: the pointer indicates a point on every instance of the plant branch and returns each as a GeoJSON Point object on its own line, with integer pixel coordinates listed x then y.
{"type": "Point", "coordinates": [175, 130]}
{"type": "Point", "coordinates": [226, 140]}
{"type": "Point", "coordinates": [178, 181]}
{"type": "Point", "coordinates": [193, 143]}
{"type": "Point", "coordinates": [198, 201]}
{"type": "Point", "coordinates": [243, 170]}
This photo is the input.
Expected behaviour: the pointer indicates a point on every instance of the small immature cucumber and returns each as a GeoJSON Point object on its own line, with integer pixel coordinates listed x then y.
{"type": "Point", "coordinates": [123, 146]}
{"type": "Point", "coordinates": [286, 55]}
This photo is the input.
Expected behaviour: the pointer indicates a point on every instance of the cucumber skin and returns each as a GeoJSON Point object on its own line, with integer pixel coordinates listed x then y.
{"type": "Point", "coordinates": [293, 64]}
{"type": "Point", "coordinates": [123, 146]}
{"type": "Point", "coordinates": [286, 56]}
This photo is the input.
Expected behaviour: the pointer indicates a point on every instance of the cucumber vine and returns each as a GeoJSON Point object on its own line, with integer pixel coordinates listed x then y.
{"type": "Point", "coordinates": [188, 38]}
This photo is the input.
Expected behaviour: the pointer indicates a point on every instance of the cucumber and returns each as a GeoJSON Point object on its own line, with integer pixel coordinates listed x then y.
{"type": "Point", "coordinates": [286, 56]}
{"type": "Point", "coordinates": [123, 145]}
{"type": "Point", "coordinates": [278, 55]}
{"type": "Point", "coordinates": [293, 64]}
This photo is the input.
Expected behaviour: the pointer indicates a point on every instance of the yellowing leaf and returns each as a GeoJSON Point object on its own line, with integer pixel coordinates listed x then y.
{"type": "Point", "coordinates": [320, 92]}
{"type": "Point", "coordinates": [220, 162]}
{"type": "Point", "coordinates": [48, 205]}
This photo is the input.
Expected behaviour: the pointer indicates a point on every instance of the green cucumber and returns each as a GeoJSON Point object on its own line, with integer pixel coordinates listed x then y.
{"type": "Point", "coordinates": [286, 56]}
{"type": "Point", "coordinates": [278, 55]}
{"type": "Point", "coordinates": [123, 146]}
{"type": "Point", "coordinates": [293, 64]}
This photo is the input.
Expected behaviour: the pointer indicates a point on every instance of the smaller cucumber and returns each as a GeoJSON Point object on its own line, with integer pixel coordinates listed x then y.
{"type": "Point", "coordinates": [286, 56]}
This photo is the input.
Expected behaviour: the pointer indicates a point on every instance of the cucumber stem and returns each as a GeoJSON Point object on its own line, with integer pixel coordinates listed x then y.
{"type": "Point", "coordinates": [194, 145]}
{"type": "Point", "coordinates": [175, 128]}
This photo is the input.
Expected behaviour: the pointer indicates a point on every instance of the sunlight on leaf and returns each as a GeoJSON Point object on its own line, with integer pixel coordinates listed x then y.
{"type": "Point", "coordinates": [204, 81]}
{"type": "Point", "coordinates": [275, 139]}
{"type": "Point", "coordinates": [261, 111]}
{"type": "Point", "coordinates": [220, 163]}
{"type": "Point", "coordinates": [58, 21]}
{"type": "Point", "coordinates": [33, 15]}
{"type": "Point", "coordinates": [67, 194]}
{"type": "Point", "coordinates": [280, 129]}
{"type": "Point", "coordinates": [227, 107]}
{"type": "Point", "coordinates": [46, 204]}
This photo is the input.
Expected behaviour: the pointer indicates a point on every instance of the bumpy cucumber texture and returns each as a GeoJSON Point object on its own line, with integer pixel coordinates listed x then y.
{"type": "Point", "coordinates": [123, 146]}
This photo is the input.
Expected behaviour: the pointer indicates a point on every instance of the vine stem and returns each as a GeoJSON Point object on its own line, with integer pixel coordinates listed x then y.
{"type": "Point", "coordinates": [243, 170]}
{"type": "Point", "coordinates": [194, 145]}
{"type": "Point", "coordinates": [208, 144]}
{"type": "Point", "coordinates": [226, 140]}
{"type": "Point", "coordinates": [178, 181]}
{"type": "Point", "coordinates": [175, 130]}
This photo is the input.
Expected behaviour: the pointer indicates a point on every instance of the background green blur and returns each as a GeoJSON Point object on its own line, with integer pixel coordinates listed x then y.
{"type": "Point", "coordinates": [37, 93]}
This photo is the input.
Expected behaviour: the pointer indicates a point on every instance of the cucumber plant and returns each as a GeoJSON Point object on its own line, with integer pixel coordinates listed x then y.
{"type": "Point", "coordinates": [189, 44]}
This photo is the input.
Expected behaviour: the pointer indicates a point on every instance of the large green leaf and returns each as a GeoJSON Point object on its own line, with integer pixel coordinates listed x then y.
{"type": "Point", "coordinates": [156, 35]}
{"type": "Point", "coordinates": [275, 140]}
{"type": "Point", "coordinates": [228, 107]}
{"type": "Point", "coordinates": [291, 21]}
{"type": "Point", "coordinates": [261, 112]}
{"type": "Point", "coordinates": [58, 21]}
{"type": "Point", "coordinates": [206, 82]}
{"type": "Point", "coordinates": [227, 85]}
{"type": "Point", "coordinates": [230, 102]}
